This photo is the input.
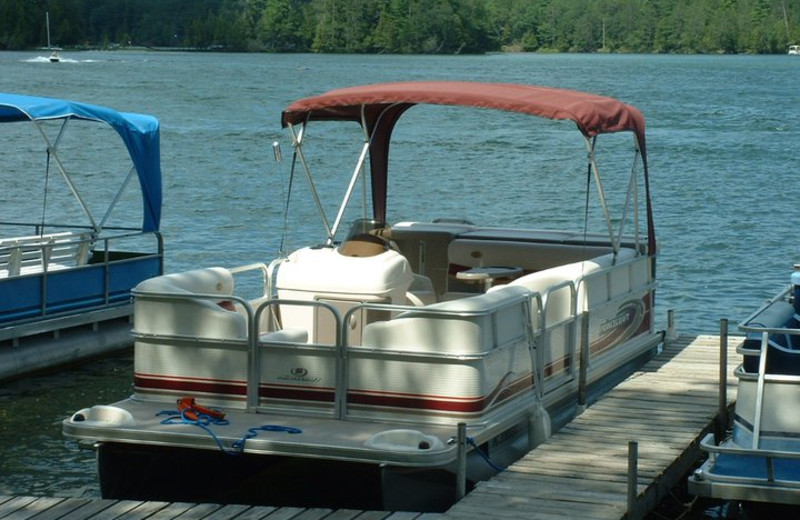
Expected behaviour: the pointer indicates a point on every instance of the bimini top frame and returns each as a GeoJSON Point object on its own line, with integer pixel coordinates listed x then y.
{"type": "Point", "coordinates": [378, 108]}
{"type": "Point", "coordinates": [140, 133]}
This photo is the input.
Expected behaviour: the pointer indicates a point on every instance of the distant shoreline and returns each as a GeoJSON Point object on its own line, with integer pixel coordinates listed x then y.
{"type": "Point", "coordinates": [221, 50]}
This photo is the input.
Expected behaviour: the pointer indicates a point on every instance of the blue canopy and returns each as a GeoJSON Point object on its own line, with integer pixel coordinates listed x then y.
{"type": "Point", "coordinates": [140, 133]}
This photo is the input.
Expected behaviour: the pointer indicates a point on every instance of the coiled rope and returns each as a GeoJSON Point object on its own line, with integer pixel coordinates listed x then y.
{"type": "Point", "coordinates": [205, 422]}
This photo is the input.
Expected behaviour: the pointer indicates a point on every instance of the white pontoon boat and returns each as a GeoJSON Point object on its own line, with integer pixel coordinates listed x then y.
{"type": "Point", "coordinates": [343, 384]}
{"type": "Point", "coordinates": [760, 461]}
{"type": "Point", "coordinates": [67, 270]}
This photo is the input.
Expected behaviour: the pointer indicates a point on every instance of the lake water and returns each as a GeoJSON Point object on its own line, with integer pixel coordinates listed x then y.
{"type": "Point", "coordinates": [722, 138]}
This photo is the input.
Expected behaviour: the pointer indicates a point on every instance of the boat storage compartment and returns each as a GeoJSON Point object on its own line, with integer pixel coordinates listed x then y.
{"type": "Point", "coordinates": [325, 275]}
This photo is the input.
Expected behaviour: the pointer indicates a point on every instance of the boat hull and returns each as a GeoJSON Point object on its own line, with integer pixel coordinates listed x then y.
{"type": "Point", "coordinates": [71, 313]}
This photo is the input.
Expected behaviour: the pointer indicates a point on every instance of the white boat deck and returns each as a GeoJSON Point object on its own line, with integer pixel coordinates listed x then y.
{"type": "Point", "coordinates": [582, 471]}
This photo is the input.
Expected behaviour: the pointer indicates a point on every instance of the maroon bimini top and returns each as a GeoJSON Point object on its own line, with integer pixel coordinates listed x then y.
{"type": "Point", "coordinates": [379, 107]}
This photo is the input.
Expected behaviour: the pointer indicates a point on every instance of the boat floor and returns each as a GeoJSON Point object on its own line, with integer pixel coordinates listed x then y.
{"type": "Point", "coordinates": [149, 423]}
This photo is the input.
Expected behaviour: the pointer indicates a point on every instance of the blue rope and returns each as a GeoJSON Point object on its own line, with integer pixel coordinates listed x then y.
{"type": "Point", "coordinates": [204, 421]}
{"type": "Point", "coordinates": [253, 432]}
{"type": "Point", "coordinates": [485, 457]}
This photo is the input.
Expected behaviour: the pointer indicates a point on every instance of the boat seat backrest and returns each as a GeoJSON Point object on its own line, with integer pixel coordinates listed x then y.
{"type": "Point", "coordinates": [489, 320]}
{"type": "Point", "coordinates": [30, 254]}
{"type": "Point", "coordinates": [157, 313]}
{"type": "Point", "coordinates": [783, 356]}
{"type": "Point", "coordinates": [530, 256]}
{"type": "Point", "coordinates": [589, 290]}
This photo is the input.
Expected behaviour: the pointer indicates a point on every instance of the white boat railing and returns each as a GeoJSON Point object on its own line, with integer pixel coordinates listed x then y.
{"type": "Point", "coordinates": [32, 264]}
{"type": "Point", "coordinates": [551, 326]}
{"type": "Point", "coordinates": [770, 456]}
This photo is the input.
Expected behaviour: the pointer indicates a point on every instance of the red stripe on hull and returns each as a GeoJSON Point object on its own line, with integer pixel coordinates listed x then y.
{"type": "Point", "coordinates": [326, 395]}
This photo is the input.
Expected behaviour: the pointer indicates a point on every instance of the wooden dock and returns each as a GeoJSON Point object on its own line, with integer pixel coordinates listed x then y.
{"type": "Point", "coordinates": [581, 472]}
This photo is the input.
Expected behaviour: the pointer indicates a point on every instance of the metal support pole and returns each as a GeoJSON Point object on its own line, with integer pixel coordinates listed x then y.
{"type": "Point", "coordinates": [461, 470]}
{"type": "Point", "coordinates": [583, 368]}
{"type": "Point", "coordinates": [722, 420]}
{"type": "Point", "coordinates": [671, 325]}
{"type": "Point", "coordinates": [633, 478]}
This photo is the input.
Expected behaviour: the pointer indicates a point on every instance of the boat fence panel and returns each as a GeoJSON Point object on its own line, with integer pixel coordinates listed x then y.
{"type": "Point", "coordinates": [616, 300]}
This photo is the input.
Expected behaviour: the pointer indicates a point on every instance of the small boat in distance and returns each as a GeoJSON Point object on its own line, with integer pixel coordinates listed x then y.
{"type": "Point", "coordinates": [54, 56]}
{"type": "Point", "coordinates": [794, 50]}
{"type": "Point", "coordinates": [760, 461]}
{"type": "Point", "coordinates": [69, 256]}
{"type": "Point", "coordinates": [393, 366]}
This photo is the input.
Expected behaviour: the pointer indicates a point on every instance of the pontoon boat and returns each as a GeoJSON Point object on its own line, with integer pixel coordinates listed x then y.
{"type": "Point", "coordinates": [69, 254]}
{"type": "Point", "coordinates": [389, 366]}
{"type": "Point", "coordinates": [760, 461]}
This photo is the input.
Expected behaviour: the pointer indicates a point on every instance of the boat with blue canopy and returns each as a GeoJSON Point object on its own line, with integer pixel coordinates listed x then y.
{"type": "Point", "coordinates": [394, 365]}
{"type": "Point", "coordinates": [759, 462]}
{"type": "Point", "coordinates": [79, 228]}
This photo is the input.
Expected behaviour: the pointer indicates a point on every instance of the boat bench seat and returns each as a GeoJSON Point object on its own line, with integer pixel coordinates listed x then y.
{"type": "Point", "coordinates": [48, 252]}
{"type": "Point", "coordinates": [158, 311]}
{"type": "Point", "coordinates": [553, 285]}
{"type": "Point", "coordinates": [529, 256]}
{"type": "Point", "coordinates": [783, 356]}
{"type": "Point", "coordinates": [487, 321]}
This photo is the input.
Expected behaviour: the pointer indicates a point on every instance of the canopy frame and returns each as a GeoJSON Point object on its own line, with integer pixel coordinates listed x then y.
{"type": "Point", "coordinates": [377, 108]}
{"type": "Point", "coordinates": [139, 133]}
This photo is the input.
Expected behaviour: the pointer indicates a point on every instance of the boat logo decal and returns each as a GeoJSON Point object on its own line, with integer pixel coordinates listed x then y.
{"type": "Point", "coordinates": [622, 326]}
{"type": "Point", "coordinates": [299, 374]}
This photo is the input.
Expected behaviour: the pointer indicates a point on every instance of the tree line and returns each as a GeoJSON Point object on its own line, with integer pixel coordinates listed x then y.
{"type": "Point", "coordinates": [407, 26]}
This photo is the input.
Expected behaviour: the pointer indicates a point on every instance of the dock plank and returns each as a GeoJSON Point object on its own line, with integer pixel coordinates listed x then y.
{"type": "Point", "coordinates": [62, 509]}
{"type": "Point", "coordinates": [199, 511]}
{"type": "Point", "coordinates": [32, 508]}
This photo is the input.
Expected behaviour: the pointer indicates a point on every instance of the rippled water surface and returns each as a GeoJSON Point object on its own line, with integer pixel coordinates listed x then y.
{"type": "Point", "coordinates": [722, 138]}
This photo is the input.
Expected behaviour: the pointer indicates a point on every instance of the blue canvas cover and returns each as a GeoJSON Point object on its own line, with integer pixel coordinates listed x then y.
{"type": "Point", "coordinates": [140, 133]}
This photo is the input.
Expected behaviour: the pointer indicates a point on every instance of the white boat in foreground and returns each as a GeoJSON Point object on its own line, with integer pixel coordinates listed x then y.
{"type": "Point", "coordinates": [344, 381]}
{"type": "Point", "coordinates": [760, 461]}
{"type": "Point", "coordinates": [69, 254]}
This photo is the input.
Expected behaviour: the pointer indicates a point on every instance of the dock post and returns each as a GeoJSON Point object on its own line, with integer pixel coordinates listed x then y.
{"type": "Point", "coordinates": [461, 470]}
{"type": "Point", "coordinates": [670, 325]}
{"type": "Point", "coordinates": [633, 478]}
{"type": "Point", "coordinates": [722, 420]}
